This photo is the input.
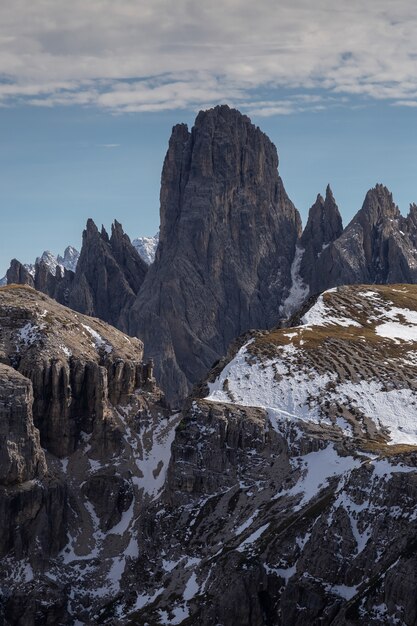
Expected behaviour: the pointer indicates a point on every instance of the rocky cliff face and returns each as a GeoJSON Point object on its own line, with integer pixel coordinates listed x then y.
{"type": "Point", "coordinates": [78, 388]}
{"type": "Point", "coordinates": [227, 240]}
{"type": "Point", "coordinates": [108, 274]}
{"type": "Point", "coordinates": [376, 247]}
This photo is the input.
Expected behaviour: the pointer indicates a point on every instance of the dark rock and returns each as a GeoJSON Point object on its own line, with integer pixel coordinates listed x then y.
{"type": "Point", "coordinates": [324, 226]}
{"type": "Point", "coordinates": [111, 496]}
{"type": "Point", "coordinates": [35, 605]}
{"type": "Point", "coordinates": [21, 456]}
{"type": "Point", "coordinates": [227, 241]}
{"type": "Point", "coordinates": [108, 276]}
{"type": "Point", "coordinates": [18, 274]}
{"type": "Point", "coordinates": [376, 247]}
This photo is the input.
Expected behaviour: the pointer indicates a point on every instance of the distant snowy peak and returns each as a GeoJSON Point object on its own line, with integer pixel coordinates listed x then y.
{"type": "Point", "coordinates": [70, 258]}
{"type": "Point", "coordinates": [146, 247]}
{"type": "Point", "coordinates": [68, 261]}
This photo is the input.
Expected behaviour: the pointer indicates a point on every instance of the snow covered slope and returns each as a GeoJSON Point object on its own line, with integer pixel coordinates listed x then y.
{"type": "Point", "coordinates": [352, 364]}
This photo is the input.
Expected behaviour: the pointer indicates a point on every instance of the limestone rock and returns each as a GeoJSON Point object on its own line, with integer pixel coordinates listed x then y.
{"type": "Point", "coordinates": [376, 247]}
{"type": "Point", "coordinates": [227, 241]}
{"type": "Point", "coordinates": [324, 226]}
{"type": "Point", "coordinates": [18, 274]}
{"type": "Point", "coordinates": [108, 276]}
{"type": "Point", "coordinates": [21, 456]}
{"type": "Point", "coordinates": [77, 366]}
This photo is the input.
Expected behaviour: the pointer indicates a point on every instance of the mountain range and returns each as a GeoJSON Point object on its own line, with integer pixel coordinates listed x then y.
{"type": "Point", "coordinates": [232, 254]}
{"type": "Point", "coordinates": [227, 435]}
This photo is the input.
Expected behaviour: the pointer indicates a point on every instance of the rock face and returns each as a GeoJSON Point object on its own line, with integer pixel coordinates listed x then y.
{"type": "Point", "coordinates": [79, 388]}
{"type": "Point", "coordinates": [32, 501]}
{"type": "Point", "coordinates": [18, 274]}
{"type": "Point", "coordinates": [75, 370]}
{"type": "Point", "coordinates": [324, 226]}
{"type": "Point", "coordinates": [21, 456]}
{"type": "Point", "coordinates": [108, 274]}
{"type": "Point", "coordinates": [227, 240]}
{"type": "Point", "coordinates": [376, 247]}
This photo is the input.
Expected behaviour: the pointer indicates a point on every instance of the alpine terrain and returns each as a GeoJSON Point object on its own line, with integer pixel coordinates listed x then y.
{"type": "Point", "coordinates": [217, 425]}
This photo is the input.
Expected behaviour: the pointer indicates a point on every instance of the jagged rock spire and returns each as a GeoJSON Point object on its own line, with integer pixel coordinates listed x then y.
{"type": "Point", "coordinates": [109, 274]}
{"type": "Point", "coordinates": [324, 225]}
{"type": "Point", "coordinates": [227, 240]}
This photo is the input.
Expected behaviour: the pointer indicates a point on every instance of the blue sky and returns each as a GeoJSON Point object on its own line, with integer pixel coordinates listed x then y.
{"type": "Point", "coordinates": [89, 93]}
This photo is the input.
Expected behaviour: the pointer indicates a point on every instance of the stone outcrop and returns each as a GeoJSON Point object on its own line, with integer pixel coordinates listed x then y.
{"type": "Point", "coordinates": [324, 225]}
{"type": "Point", "coordinates": [32, 502]}
{"type": "Point", "coordinates": [77, 366]}
{"type": "Point", "coordinates": [227, 240]}
{"type": "Point", "coordinates": [109, 274]}
{"type": "Point", "coordinates": [376, 247]}
{"type": "Point", "coordinates": [21, 456]}
{"type": "Point", "coordinates": [18, 274]}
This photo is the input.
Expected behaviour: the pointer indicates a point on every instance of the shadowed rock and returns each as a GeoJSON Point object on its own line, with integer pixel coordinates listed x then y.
{"type": "Point", "coordinates": [324, 226]}
{"type": "Point", "coordinates": [227, 240]}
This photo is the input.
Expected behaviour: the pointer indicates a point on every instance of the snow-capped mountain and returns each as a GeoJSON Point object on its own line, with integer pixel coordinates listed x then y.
{"type": "Point", "coordinates": [70, 258]}
{"type": "Point", "coordinates": [146, 247]}
{"type": "Point", "coordinates": [68, 261]}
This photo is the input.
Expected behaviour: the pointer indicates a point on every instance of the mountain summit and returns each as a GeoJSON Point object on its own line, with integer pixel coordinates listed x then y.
{"type": "Point", "coordinates": [227, 240]}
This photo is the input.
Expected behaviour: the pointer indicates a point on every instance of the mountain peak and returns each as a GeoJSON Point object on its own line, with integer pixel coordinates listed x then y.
{"type": "Point", "coordinates": [378, 205]}
{"type": "Point", "coordinates": [222, 198]}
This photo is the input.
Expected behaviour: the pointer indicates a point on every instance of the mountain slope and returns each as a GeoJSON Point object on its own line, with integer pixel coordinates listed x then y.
{"type": "Point", "coordinates": [293, 483]}
{"type": "Point", "coordinates": [285, 492]}
{"type": "Point", "coordinates": [351, 362]}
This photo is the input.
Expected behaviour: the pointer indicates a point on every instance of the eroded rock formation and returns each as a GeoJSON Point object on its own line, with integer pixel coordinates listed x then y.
{"type": "Point", "coordinates": [376, 247]}
{"type": "Point", "coordinates": [227, 240]}
{"type": "Point", "coordinates": [79, 388]}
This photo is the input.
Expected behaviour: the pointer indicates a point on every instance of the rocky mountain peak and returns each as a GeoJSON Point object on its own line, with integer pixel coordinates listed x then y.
{"type": "Point", "coordinates": [227, 241]}
{"type": "Point", "coordinates": [108, 276]}
{"type": "Point", "coordinates": [378, 207]}
{"type": "Point", "coordinates": [91, 229]}
{"type": "Point", "coordinates": [324, 225]}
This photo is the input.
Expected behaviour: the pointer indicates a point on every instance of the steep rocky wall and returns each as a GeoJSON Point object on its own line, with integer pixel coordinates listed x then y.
{"type": "Point", "coordinates": [227, 241]}
{"type": "Point", "coordinates": [377, 246]}
{"type": "Point", "coordinates": [32, 503]}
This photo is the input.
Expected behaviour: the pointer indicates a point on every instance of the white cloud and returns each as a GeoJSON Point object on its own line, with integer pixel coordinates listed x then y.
{"type": "Point", "coordinates": [149, 55]}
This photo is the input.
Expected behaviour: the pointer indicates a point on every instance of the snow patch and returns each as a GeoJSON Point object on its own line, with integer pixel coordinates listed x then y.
{"type": "Point", "coordinates": [320, 315]}
{"type": "Point", "coordinates": [98, 341]}
{"type": "Point", "coordinates": [299, 290]}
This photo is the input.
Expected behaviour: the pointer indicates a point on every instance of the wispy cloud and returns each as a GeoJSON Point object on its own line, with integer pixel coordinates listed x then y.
{"type": "Point", "coordinates": [152, 55]}
{"type": "Point", "coordinates": [108, 145]}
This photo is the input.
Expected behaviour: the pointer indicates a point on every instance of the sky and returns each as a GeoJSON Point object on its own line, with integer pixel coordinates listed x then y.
{"type": "Point", "coordinates": [89, 92]}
